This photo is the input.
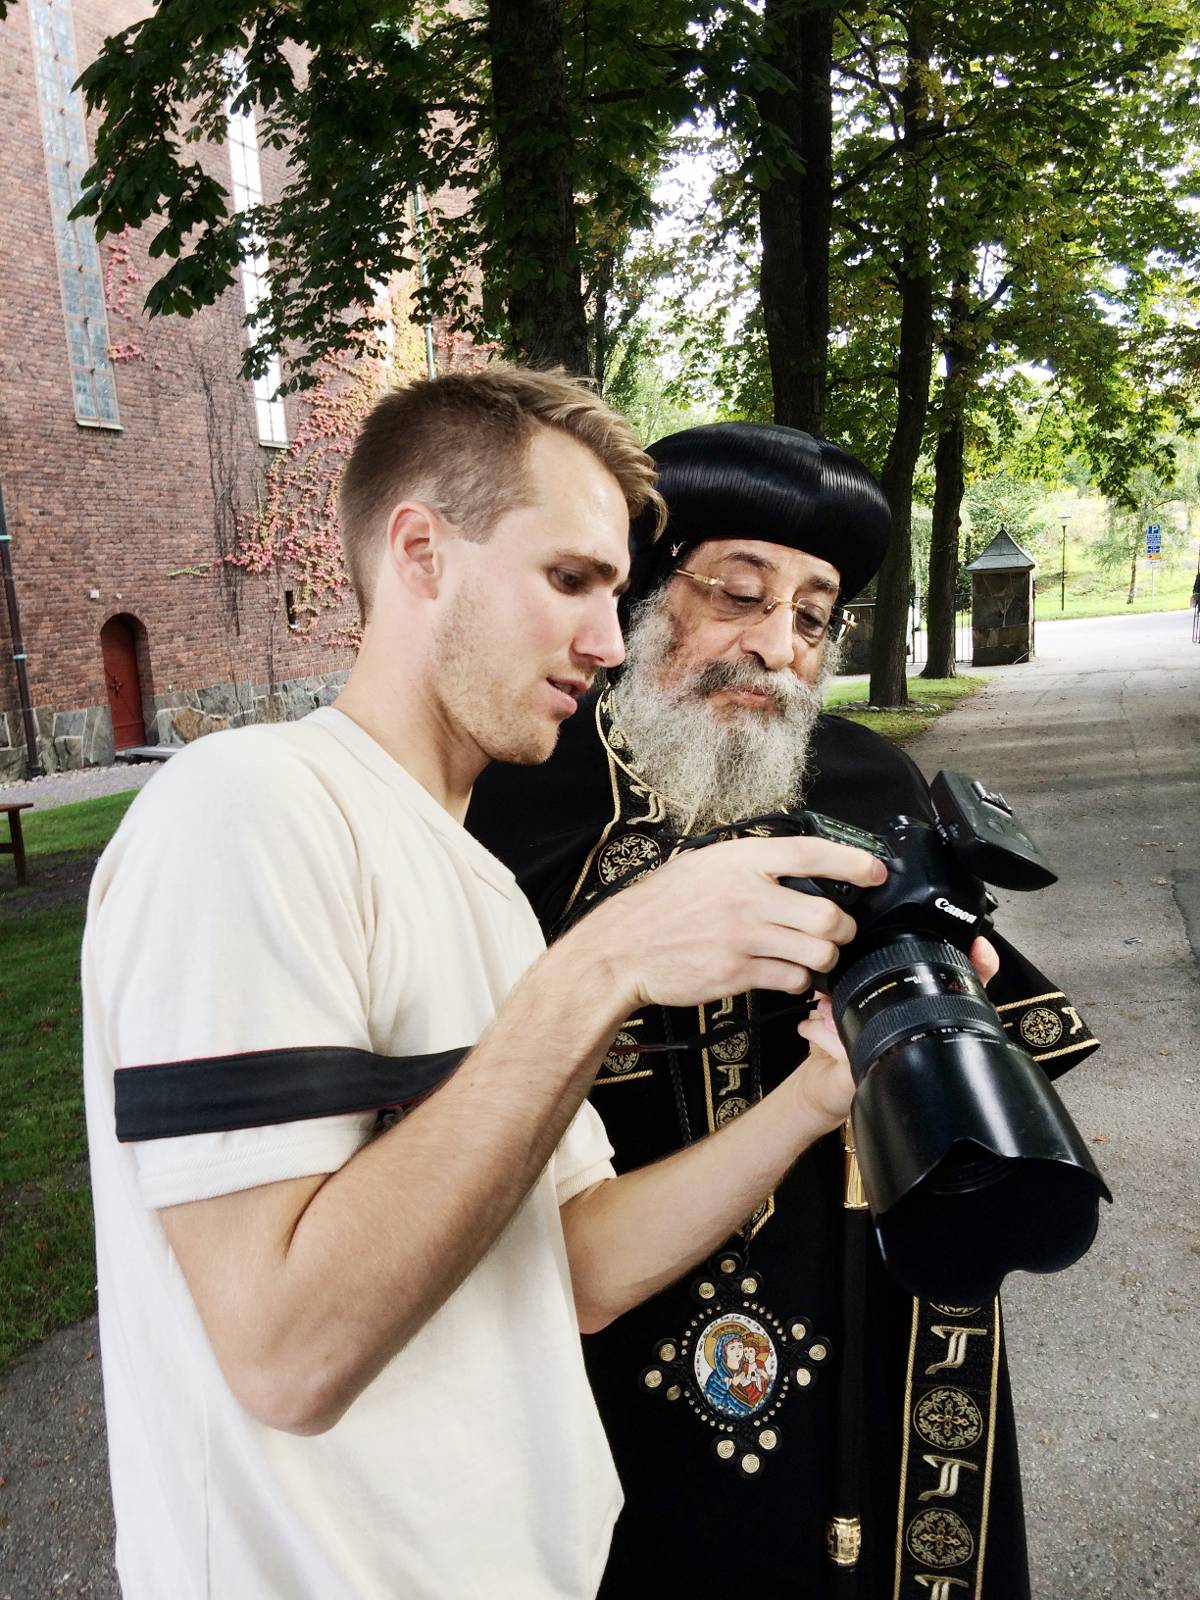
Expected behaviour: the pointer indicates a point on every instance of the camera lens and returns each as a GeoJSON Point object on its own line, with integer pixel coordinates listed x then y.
{"type": "Point", "coordinates": [971, 1165]}
{"type": "Point", "coordinates": [907, 988]}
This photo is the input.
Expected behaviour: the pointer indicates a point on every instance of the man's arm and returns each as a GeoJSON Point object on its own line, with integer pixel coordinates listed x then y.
{"type": "Point", "coordinates": [308, 1287]}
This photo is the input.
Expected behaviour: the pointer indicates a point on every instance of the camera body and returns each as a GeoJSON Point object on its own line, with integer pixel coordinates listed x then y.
{"type": "Point", "coordinates": [937, 872]}
{"type": "Point", "coordinates": [971, 1165]}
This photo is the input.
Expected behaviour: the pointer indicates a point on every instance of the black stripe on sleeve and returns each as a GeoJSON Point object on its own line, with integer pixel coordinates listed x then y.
{"type": "Point", "coordinates": [260, 1088]}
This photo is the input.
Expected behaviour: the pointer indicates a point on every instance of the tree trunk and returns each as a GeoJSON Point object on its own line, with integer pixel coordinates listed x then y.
{"type": "Point", "coordinates": [947, 495]}
{"type": "Point", "coordinates": [889, 685]}
{"type": "Point", "coordinates": [796, 209]}
{"type": "Point", "coordinates": [1132, 595]}
{"type": "Point", "coordinates": [605, 273]}
{"type": "Point", "coordinates": [534, 163]}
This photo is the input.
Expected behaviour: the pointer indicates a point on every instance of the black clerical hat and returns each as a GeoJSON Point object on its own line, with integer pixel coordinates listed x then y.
{"type": "Point", "coordinates": [756, 480]}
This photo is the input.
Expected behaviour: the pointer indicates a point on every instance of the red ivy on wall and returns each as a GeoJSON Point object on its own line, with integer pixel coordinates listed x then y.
{"type": "Point", "coordinates": [295, 531]}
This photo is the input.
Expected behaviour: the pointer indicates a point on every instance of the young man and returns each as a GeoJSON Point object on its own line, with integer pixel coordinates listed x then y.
{"type": "Point", "coordinates": [716, 717]}
{"type": "Point", "coordinates": [315, 1333]}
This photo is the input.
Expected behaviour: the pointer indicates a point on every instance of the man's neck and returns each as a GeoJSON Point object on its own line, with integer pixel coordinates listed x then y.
{"type": "Point", "coordinates": [405, 719]}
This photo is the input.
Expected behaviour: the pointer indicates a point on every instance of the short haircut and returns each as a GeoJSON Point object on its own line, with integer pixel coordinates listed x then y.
{"type": "Point", "coordinates": [461, 442]}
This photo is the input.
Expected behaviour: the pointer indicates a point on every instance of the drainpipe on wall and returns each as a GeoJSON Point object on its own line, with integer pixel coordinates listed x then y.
{"type": "Point", "coordinates": [418, 206]}
{"type": "Point", "coordinates": [423, 272]}
{"type": "Point", "coordinates": [33, 765]}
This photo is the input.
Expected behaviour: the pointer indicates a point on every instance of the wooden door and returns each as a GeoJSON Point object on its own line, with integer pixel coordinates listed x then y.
{"type": "Point", "coordinates": [121, 681]}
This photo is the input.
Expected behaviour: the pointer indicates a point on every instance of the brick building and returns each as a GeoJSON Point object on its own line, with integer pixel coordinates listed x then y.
{"type": "Point", "coordinates": [129, 450]}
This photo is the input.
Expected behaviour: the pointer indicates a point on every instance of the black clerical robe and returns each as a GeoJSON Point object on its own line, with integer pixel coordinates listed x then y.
{"type": "Point", "coordinates": [785, 1419]}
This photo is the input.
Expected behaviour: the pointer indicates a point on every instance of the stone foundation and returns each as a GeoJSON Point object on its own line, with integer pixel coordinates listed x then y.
{"type": "Point", "coordinates": [65, 739]}
{"type": "Point", "coordinates": [1001, 618]}
{"type": "Point", "coordinates": [191, 713]}
{"type": "Point", "coordinates": [856, 642]}
{"type": "Point", "coordinates": [83, 738]}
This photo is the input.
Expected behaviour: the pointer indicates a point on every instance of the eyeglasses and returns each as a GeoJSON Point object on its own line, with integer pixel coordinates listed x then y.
{"type": "Point", "coordinates": [740, 599]}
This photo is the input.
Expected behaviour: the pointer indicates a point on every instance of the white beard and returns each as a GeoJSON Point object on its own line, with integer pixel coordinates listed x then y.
{"type": "Point", "coordinates": [712, 767]}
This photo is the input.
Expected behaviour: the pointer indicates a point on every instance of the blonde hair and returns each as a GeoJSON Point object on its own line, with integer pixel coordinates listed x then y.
{"type": "Point", "coordinates": [461, 443]}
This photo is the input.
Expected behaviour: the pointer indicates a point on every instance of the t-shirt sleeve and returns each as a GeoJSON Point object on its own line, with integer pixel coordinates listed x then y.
{"type": "Point", "coordinates": [583, 1155]}
{"type": "Point", "coordinates": [229, 916]}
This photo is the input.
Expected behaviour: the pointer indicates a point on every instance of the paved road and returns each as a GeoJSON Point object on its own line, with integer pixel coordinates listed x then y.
{"type": "Point", "coordinates": [1097, 743]}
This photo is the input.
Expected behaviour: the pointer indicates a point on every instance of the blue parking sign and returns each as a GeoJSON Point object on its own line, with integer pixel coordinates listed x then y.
{"type": "Point", "coordinates": [1154, 540]}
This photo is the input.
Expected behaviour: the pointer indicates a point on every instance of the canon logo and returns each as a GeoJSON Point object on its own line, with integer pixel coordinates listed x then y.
{"type": "Point", "coordinates": [955, 911]}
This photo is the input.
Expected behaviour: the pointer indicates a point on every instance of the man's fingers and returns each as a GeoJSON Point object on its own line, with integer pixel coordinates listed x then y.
{"type": "Point", "coordinates": [822, 1012]}
{"type": "Point", "coordinates": [779, 977]}
{"type": "Point", "coordinates": [810, 858]}
{"type": "Point", "coordinates": [985, 960]}
{"type": "Point", "coordinates": [811, 913]}
{"type": "Point", "coordinates": [797, 945]}
{"type": "Point", "coordinates": [819, 1032]}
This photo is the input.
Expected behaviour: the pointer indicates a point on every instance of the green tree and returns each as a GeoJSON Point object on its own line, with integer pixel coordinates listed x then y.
{"type": "Point", "coordinates": [792, 166]}
{"type": "Point", "coordinates": [545, 123]}
{"type": "Point", "coordinates": [986, 205]}
{"type": "Point", "coordinates": [1123, 538]}
{"type": "Point", "coordinates": [1017, 506]}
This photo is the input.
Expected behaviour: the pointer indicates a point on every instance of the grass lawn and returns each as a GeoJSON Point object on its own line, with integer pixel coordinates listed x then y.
{"type": "Point", "coordinates": [47, 1275]}
{"type": "Point", "coordinates": [930, 698]}
{"type": "Point", "coordinates": [77, 831]}
{"type": "Point", "coordinates": [1106, 595]}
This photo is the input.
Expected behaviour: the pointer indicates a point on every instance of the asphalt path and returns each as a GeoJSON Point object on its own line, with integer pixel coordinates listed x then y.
{"type": "Point", "coordinates": [1097, 744]}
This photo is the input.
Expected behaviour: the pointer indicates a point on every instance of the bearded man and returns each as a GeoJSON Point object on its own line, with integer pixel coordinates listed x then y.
{"type": "Point", "coordinates": [874, 1454]}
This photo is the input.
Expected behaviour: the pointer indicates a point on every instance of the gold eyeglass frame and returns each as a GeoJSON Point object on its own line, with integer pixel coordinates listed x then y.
{"type": "Point", "coordinates": [835, 628]}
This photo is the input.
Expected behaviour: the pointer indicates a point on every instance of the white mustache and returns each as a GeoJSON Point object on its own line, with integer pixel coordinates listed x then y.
{"type": "Point", "coordinates": [716, 675]}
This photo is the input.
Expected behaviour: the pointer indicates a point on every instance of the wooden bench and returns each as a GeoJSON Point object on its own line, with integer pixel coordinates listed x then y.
{"type": "Point", "coordinates": [15, 847]}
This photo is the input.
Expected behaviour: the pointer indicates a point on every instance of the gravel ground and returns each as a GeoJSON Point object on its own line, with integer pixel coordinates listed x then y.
{"type": "Point", "coordinates": [65, 788]}
{"type": "Point", "coordinates": [56, 1527]}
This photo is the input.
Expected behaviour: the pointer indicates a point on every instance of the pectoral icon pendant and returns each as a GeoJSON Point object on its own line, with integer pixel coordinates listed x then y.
{"type": "Point", "coordinates": [736, 1364]}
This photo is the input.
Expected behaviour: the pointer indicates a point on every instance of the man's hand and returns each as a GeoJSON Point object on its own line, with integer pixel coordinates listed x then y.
{"type": "Point", "coordinates": [631, 1236]}
{"type": "Point", "coordinates": [823, 1080]}
{"type": "Point", "coordinates": [717, 921]}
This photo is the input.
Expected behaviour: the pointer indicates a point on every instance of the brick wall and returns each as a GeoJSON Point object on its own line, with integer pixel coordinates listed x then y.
{"type": "Point", "coordinates": [123, 522]}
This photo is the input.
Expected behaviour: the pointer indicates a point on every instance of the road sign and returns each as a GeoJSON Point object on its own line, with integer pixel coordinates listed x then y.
{"type": "Point", "coordinates": [1154, 541]}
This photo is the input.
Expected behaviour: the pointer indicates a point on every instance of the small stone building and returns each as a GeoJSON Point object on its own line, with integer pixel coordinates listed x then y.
{"type": "Point", "coordinates": [1002, 595]}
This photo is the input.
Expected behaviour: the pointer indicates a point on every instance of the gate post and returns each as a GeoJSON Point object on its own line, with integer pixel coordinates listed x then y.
{"type": "Point", "coordinates": [1002, 603]}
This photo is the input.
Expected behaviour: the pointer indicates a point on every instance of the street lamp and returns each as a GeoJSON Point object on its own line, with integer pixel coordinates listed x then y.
{"type": "Point", "coordinates": [1062, 589]}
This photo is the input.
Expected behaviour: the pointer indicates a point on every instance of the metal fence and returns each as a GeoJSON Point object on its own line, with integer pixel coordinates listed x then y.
{"type": "Point", "coordinates": [857, 650]}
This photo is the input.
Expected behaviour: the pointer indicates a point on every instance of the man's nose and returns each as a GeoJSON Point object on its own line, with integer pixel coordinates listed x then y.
{"type": "Point", "coordinates": [600, 640]}
{"type": "Point", "coordinates": [773, 640]}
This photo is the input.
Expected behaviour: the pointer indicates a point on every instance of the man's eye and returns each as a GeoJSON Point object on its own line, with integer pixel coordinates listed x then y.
{"type": "Point", "coordinates": [747, 601]}
{"type": "Point", "coordinates": [809, 621]}
{"type": "Point", "coordinates": [569, 582]}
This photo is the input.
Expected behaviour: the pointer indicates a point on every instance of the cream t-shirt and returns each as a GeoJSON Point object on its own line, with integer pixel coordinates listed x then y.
{"type": "Point", "coordinates": [289, 886]}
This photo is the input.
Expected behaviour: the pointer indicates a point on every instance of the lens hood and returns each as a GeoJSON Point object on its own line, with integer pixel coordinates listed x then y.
{"type": "Point", "coordinates": [971, 1165]}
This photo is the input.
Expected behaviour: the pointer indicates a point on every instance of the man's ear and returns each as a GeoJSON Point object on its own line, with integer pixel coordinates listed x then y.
{"type": "Point", "coordinates": [415, 535]}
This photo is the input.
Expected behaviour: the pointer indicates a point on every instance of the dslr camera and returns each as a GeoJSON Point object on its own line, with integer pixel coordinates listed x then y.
{"type": "Point", "coordinates": [971, 1165]}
